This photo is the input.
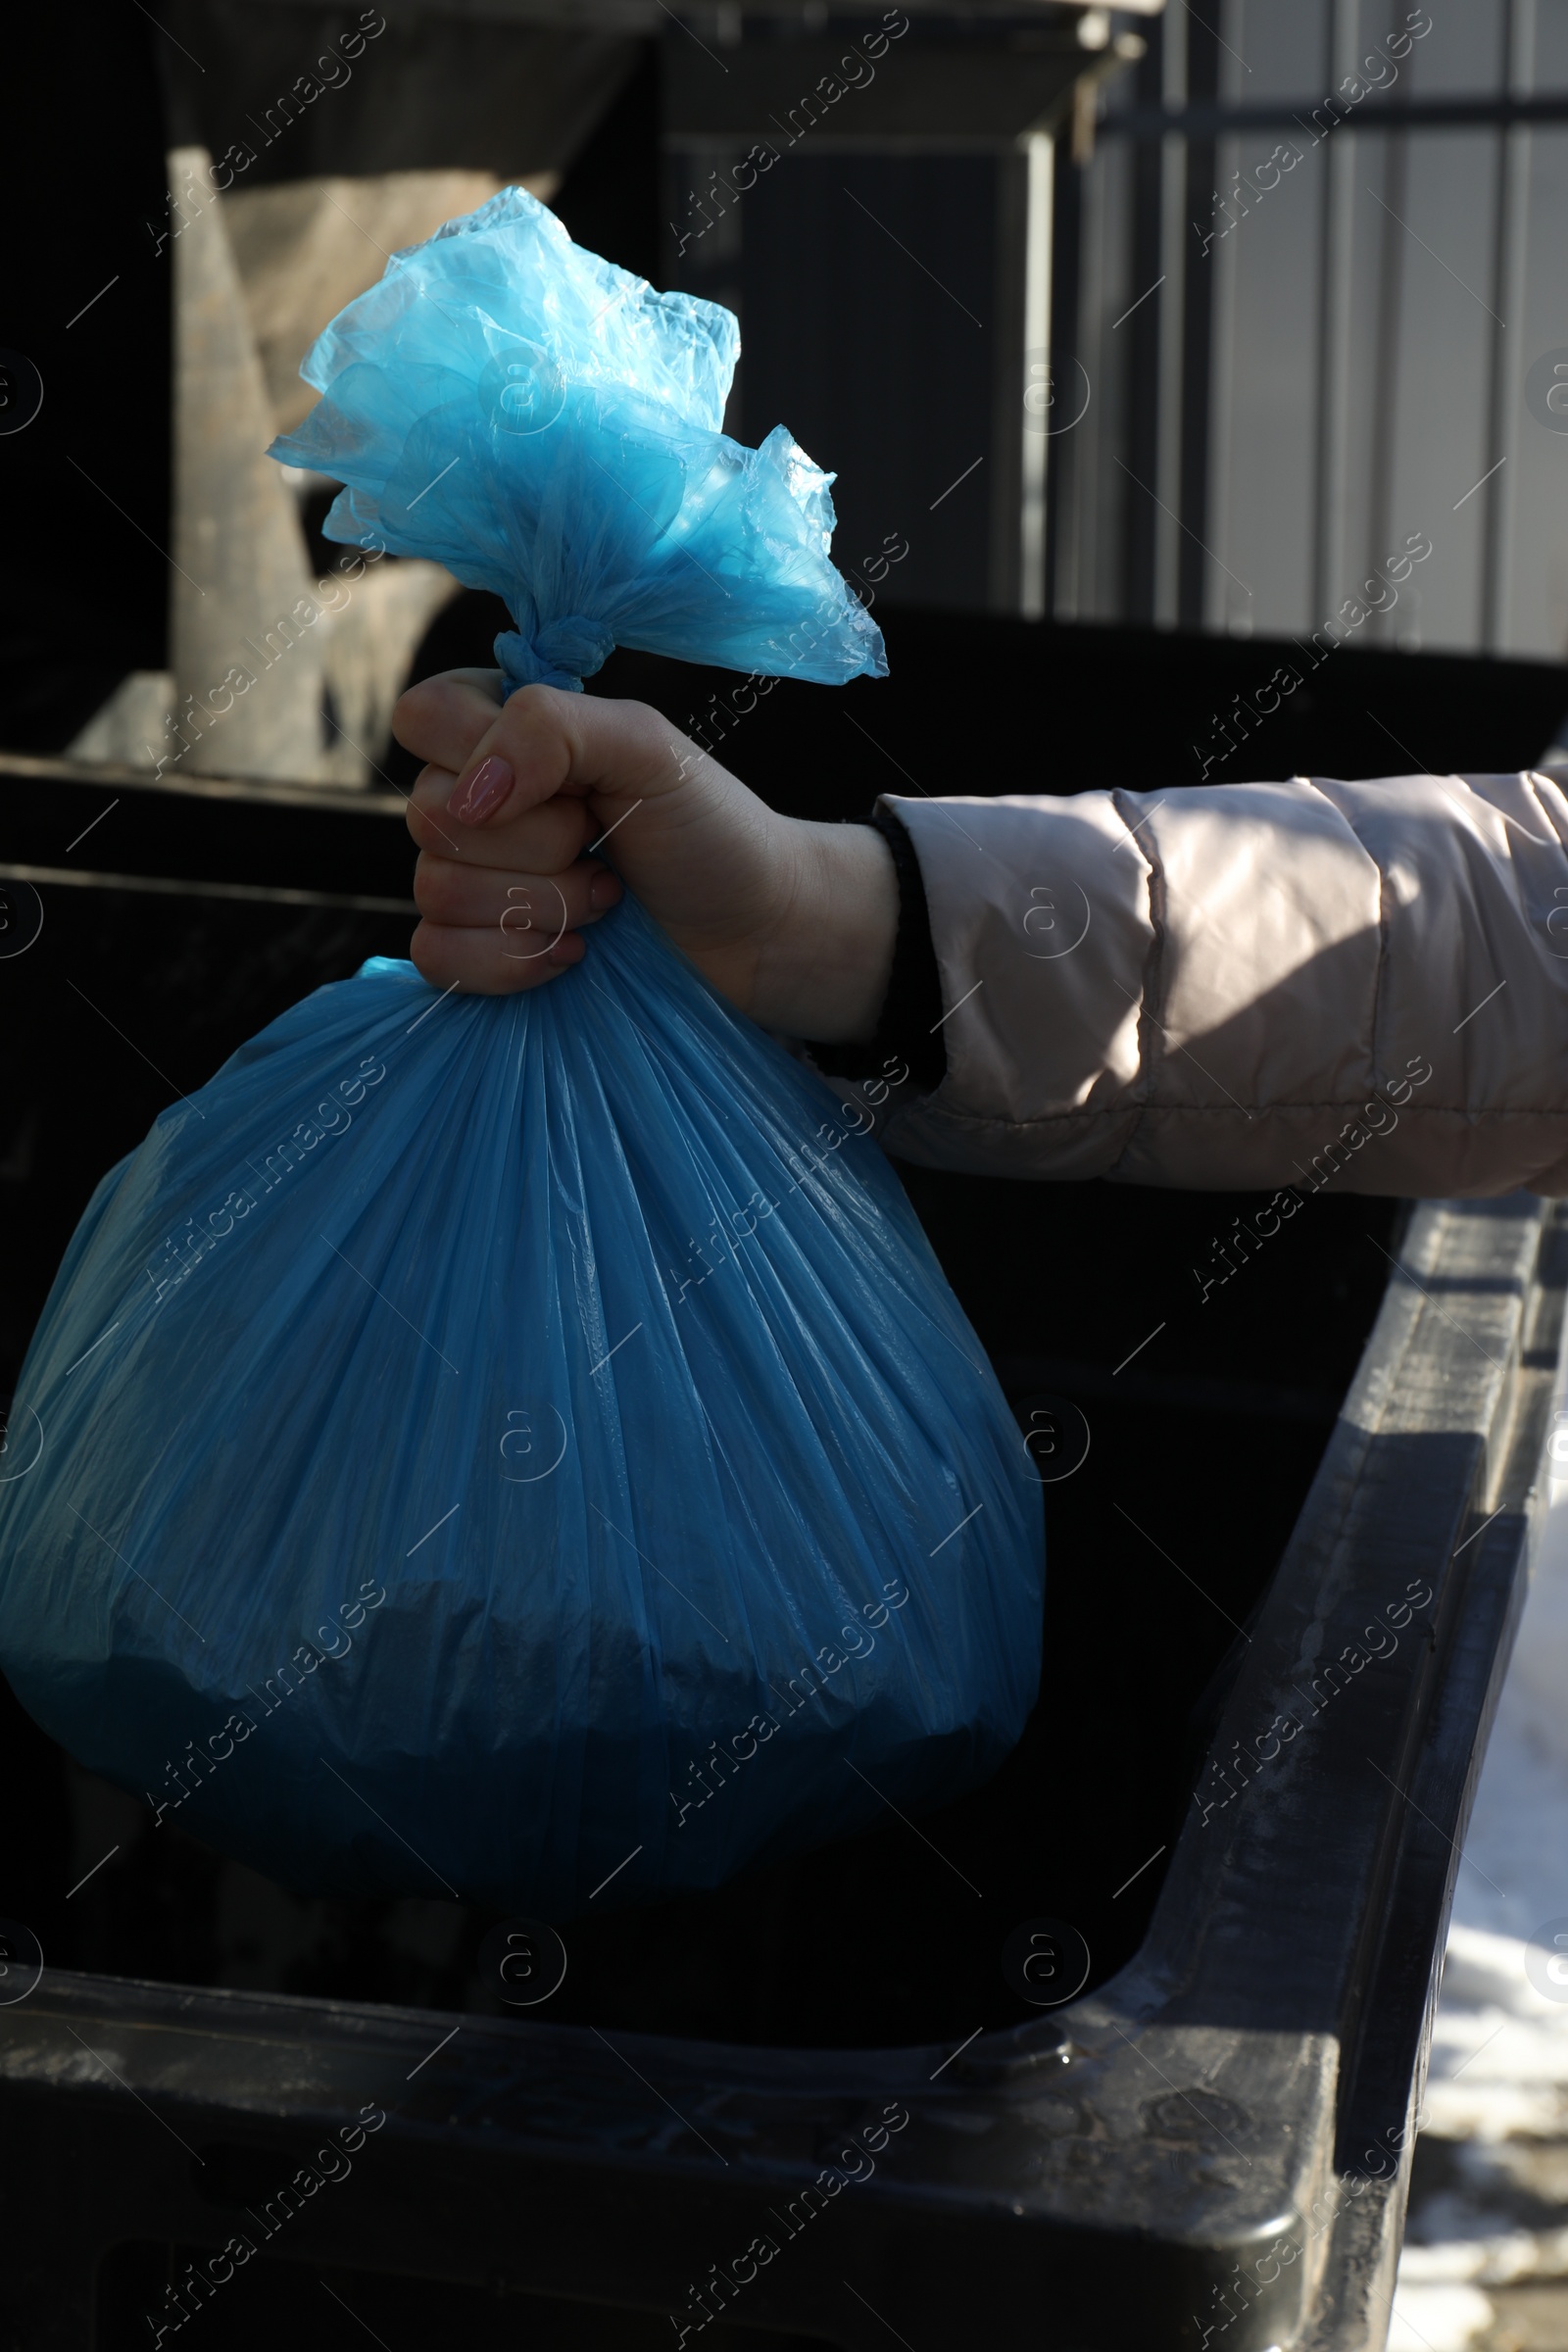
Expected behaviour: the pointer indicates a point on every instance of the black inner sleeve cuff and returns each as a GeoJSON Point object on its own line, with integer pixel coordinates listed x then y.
{"type": "Point", "coordinates": [909, 1026]}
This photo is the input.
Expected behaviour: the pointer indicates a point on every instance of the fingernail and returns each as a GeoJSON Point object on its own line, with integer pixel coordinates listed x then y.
{"type": "Point", "coordinates": [605, 891]}
{"type": "Point", "coordinates": [478, 794]}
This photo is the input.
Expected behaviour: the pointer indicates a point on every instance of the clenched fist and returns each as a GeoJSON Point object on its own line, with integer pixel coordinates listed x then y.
{"type": "Point", "coordinates": [524, 807]}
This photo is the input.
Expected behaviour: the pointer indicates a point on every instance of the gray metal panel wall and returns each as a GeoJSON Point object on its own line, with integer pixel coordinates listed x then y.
{"type": "Point", "coordinates": [1373, 316]}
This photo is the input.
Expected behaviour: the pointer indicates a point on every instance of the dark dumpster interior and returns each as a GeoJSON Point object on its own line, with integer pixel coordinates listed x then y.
{"type": "Point", "coordinates": [1203, 1419]}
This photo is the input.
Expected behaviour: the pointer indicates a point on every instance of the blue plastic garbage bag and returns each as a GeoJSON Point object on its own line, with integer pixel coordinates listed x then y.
{"type": "Point", "coordinates": [532, 1442]}
{"type": "Point", "coordinates": [522, 1448]}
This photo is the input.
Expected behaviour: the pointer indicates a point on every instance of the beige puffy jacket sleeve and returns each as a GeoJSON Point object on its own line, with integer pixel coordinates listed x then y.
{"type": "Point", "coordinates": [1240, 986]}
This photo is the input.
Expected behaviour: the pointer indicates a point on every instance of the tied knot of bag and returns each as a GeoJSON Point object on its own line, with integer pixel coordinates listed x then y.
{"type": "Point", "coordinates": [561, 654]}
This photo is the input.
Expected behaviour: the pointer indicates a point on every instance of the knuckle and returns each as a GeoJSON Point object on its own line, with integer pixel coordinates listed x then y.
{"type": "Point", "coordinates": [431, 789]}
{"type": "Point", "coordinates": [439, 886]}
{"type": "Point", "coordinates": [413, 709]}
{"type": "Point", "coordinates": [424, 955]}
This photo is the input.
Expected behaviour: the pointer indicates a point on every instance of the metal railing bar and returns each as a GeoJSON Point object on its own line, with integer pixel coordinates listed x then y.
{"type": "Point", "coordinates": [1213, 119]}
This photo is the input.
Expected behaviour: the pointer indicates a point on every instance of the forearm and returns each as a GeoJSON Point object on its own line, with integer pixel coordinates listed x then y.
{"type": "Point", "coordinates": [1215, 986]}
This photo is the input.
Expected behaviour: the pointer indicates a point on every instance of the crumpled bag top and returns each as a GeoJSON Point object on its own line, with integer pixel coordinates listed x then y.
{"type": "Point", "coordinates": [548, 427]}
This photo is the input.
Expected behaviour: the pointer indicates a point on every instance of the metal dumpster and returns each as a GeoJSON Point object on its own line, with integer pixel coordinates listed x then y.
{"type": "Point", "coordinates": [1122, 2051]}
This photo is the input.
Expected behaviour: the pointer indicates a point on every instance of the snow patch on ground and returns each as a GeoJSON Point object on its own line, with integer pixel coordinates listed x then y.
{"type": "Point", "coordinates": [1437, 2319]}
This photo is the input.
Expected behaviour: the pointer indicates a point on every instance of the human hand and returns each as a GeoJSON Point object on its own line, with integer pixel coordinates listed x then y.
{"type": "Point", "coordinates": [792, 922]}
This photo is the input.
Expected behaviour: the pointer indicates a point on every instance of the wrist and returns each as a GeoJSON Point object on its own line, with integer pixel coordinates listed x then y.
{"type": "Point", "coordinates": [824, 972]}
